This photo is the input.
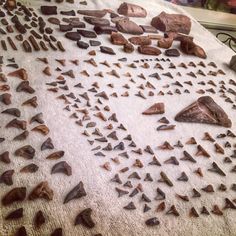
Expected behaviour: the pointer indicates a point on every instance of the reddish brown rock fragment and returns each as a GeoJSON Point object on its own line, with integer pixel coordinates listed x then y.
{"type": "Point", "coordinates": [131, 10]}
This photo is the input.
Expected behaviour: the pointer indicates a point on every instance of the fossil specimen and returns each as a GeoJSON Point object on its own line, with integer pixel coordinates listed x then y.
{"type": "Point", "coordinates": [14, 195]}
{"type": "Point", "coordinates": [157, 108]}
{"type": "Point", "coordinates": [84, 218]}
{"type": "Point", "coordinates": [131, 10]}
{"type": "Point", "coordinates": [77, 192]}
{"type": "Point", "coordinates": [204, 110]}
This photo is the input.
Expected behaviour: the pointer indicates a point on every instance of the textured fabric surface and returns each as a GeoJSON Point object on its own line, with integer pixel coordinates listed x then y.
{"type": "Point", "coordinates": [108, 213]}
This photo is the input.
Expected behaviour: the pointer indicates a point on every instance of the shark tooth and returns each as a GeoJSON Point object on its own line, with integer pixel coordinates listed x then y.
{"type": "Point", "coordinates": [26, 151]}
{"type": "Point", "coordinates": [69, 73]}
{"type": "Point", "coordinates": [6, 177]}
{"type": "Point", "coordinates": [161, 207]}
{"type": "Point", "coordinates": [134, 175]}
{"type": "Point", "coordinates": [219, 149]}
{"type": "Point", "coordinates": [21, 136]}
{"type": "Point", "coordinates": [77, 192]}
{"type": "Point", "coordinates": [216, 210]}
{"type": "Point", "coordinates": [16, 214]}
{"type": "Point", "coordinates": [165, 146]}
{"type": "Point", "coordinates": [173, 211]}
{"type": "Point", "coordinates": [148, 177]}
{"type": "Point", "coordinates": [229, 204]}
{"type": "Point", "coordinates": [4, 157]}
{"type": "Point", "coordinates": [5, 98]}
{"type": "Point", "coordinates": [31, 168]}
{"type": "Point", "coordinates": [130, 206]}
{"type": "Point", "coordinates": [15, 123]}
{"type": "Point", "coordinates": [204, 211]}
{"type": "Point", "coordinates": [208, 189]}
{"type": "Point", "coordinates": [128, 184]}
{"type": "Point", "coordinates": [106, 166]}
{"type": "Point", "coordinates": [14, 195]}
{"type": "Point", "coordinates": [165, 127]}
{"type": "Point", "coordinates": [172, 160]}
{"type": "Point", "coordinates": [165, 179]}
{"type": "Point", "coordinates": [20, 73]}
{"type": "Point", "coordinates": [42, 190]}
{"type": "Point", "coordinates": [187, 157]}
{"type": "Point", "coordinates": [191, 141]}
{"type": "Point", "coordinates": [152, 221]}
{"type": "Point", "coordinates": [134, 192]}
{"type": "Point", "coordinates": [183, 197]}
{"type": "Point", "coordinates": [43, 129]}
{"type": "Point", "coordinates": [160, 194]}
{"type": "Point", "coordinates": [121, 192]}
{"type": "Point", "coordinates": [39, 219]}
{"type": "Point", "coordinates": [47, 144]}
{"type": "Point", "coordinates": [116, 160]}
{"type": "Point", "coordinates": [138, 163]}
{"type": "Point", "coordinates": [179, 145]}
{"type": "Point", "coordinates": [108, 147]}
{"type": "Point", "coordinates": [193, 212]}
{"type": "Point", "coordinates": [201, 151]}
{"type": "Point", "coordinates": [138, 151]}
{"type": "Point", "coordinates": [196, 193]}
{"type": "Point", "coordinates": [146, 208]}
{"type": "Point", "coordinates": [55, 155]}
{"type": "Point", "coordinates": [149, 150]}
{"type": "Point", "coordinates": [183, 177]}
{"type": "Point", "coordinates": [124, 154]}
{"type": "Point", "coordinates": [222, 187]}
{"type": "Point", "coordinates": [204, 110]}
{"type": "Point", "coordinates": [198, 171]}
{"type": "Point", "coordinates": [157, 108]}
{"type": "Point", "coordinates": [85, 218]}
{"type": "Point", "coordinates": [31, 102]}
{"type": "Point", "coordinates": [116, 179]}
{"type": "Point", "coordinates": [12, 111]}
{"type": "Point", "coordinates": [37, 118]}
{"type": "Point", "coordinates": [114, 73]}
{"type": "Point", "coordinates": [154, 162]}
{"type": "Point", "coordinates": [216, 168]}
{"type": "Point", "coordinates": [62, 167]}
{"type": "Point", "coordinates": [208, 137]}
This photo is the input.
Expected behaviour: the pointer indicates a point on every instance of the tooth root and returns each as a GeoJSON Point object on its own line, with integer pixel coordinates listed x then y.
{"type": "Point", "coordinates": [187, 157]}
{"type": "Point", "coordinates": [201, 151]}
{"type": "Point", "coordinates": [216, 210]}
{"type": "Point", "coordinates": [173, 211]}
{"type": "Point", "coordinates": [193, 212]}
{"type": "Point", "coordinates": [183, 177]}
{"type": "Point", "coordinates": [165, 179]}
{"type": "Point", "coordinates": [161, 207]}
{"type": "Point", "coordinates": [216, 168]}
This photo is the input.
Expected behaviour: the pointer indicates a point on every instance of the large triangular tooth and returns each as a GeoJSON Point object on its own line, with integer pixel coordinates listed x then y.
{"type": "Point", "coordinates": [204, 110]}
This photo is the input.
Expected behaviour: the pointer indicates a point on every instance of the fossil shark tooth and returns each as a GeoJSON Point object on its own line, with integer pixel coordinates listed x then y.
{"type": "Point", "coordinates": [5, 98]}
{"type": "Point", "coordinates": [15, 123]}
{"type": "Point", "coordinates": [16, 214]}
{"type": "Point", "coordinates": [25, 87]}
{"type": "Point", "coordinates": [191, 141]}
{"type": "Point", "coordinates": [134, 192]}
{"type": "Point", "coordinates": [77, 192]}
{"type": "Point", "coordinates": [26, 151]}
{"type": "Point", "coordinates": [85, 218]}
{"type": "Point", "coordinates": [204, 110]}
{"type": "Point", "coordinates": [222, 187]}
{"type": "Point", "coordinates": [4, 157]}
{"type": "Point", "coordinates": [121, 192]}
{"type": "Point", "coordinates": [193, 212]}
{"type": "Point", "coordinates": [165, 127]}
{"type": "Point", "coordinates": [42, 190]}
{"type": "Point", "coordinates": [47, 144]}
{"type": "Point", "coordinates": [173, 211]}
{"type": "Point", "coordinates": [31, 168]}
{"type": "Point", "coordinates": [6, 177]}
{"type": "Point", "coordinates": [39, 219]}
{"type": "Point", "coordinates": [229, 204]}
{"type": "Point", "coordinates": [196, 193]}
{"type": "Point", "coordinates": [219, 149]}
{"type": "Point", "coordinates": [116, 179]}
{"type": "Point", "coordinates": [12, 111]}
{"type": "Point", "coordinates": [202, 152]}
{"type": "Point", "coordinates": [165, 146]}
{"type": "Point", "coordinates": [31, 102]}
{"type": "Point", "coordinates": [20, 73]}
{"type": "Point", "coordinates": [55, 155]}
{"type": "Point", "coordinates": [165, 179]}
{"type": "Point", "coordinates": [152, 221]}
{"type": "Point", "coordinates": [216, 210]}
{"type": "Point", "coordinates": [21, 136]}
{"type": "Point", "coordinates": [198, 171]}
{"type": "Point", "coordinates": [208, 137]}
{"type": "Point", "coordinates": [208, 189]}
{"type": "Point", "coordinates": [130, 206]}
{"type": "Point", "coordinates": [148, 177]}
{"type": "Point", "coordinates": [179, 145]}
{"type": "Point", "coordinates": [157, 108]}
{"type": "Point", "coordinates": [183, 197]}
{"type": "Point", "coordinates": [183, 177]}
{"type": "Point", "coordinates": [146, 208]}
{"type": "Point", "coordinates": [187, 157]}
{"type": "Point", "coordinates": [57, 232]}
{"type": "Point", "coordinates": [128, 184]}
{"type": "Point", "coordinates": [43, 129]}
{"type": "Point", "coordinates": [216, 168]}
{"type": "Point", "coordinates": [134, 175]}
{"type": "Point", "coordinates": [14, 195]}
{"type": "Point", "coordinates": [149, 150]}
{"type": "Point", "coordinates": [172, 160]}
{"type": "Point", "coordinates": [204, 211]}
{"type": "Point", "coordinates": [106, 166]}
{"type": "Point", "coordinates": [62, 167]}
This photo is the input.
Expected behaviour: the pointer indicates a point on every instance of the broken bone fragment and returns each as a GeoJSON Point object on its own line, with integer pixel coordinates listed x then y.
{"type": "Point", "coordinates": [157, 108]}
{"type": "Point", "coordinates": [204, 110]}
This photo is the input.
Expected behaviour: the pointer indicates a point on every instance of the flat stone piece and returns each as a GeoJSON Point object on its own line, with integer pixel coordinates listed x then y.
{"type": "Point", "coordinates": [172, 52]}
{"type": "Point", "coordinates": [75, 36]}
{"type": "Point", "coordinates": [148, 50]}
{"type": "Point", "coordinates": [95, 13]}
{"type": "Point", "coordinates": [94, 43]}
{"type": "Point", "coordinates": [140, 40]}
{"type": "Point", "coordinates": [96, 21]}
{"type": "Point", "coordinates": [148, 29]}
{"type": "Point", "coordinates": [129, 27]}
{"type": "Point", "coordinates": [82, 44]}
{"type": "Point", "coordinates": [107, 50]}
{"type": "Point", "coordinates": [104, 29]}
{"type": "Point", "coordinates": [87, 33]}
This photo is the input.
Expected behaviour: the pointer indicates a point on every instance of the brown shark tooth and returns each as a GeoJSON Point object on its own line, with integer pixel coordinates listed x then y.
{"type": "Point", "coordinates": [101, 116]}
{"type": "Point", "coordinates": [25, 87]}
{"type": "Point", "coordinates": [47, 144]}
{"type": "Point", "coordinates": [172, 160]}
{"type": "Point", "coordinates": [202, 152]}
{"type": "Point", "coordinates": [196, 193]}
{"type": "Point", "coordinates": [165, 146]}
{"type": "Point", "coordinates": [138, 151]}
{"type": "Point", "coordinates": [161, 207]}
{"type": "Point", "coordinates": [219, 149]}
{"type": "Point", "coordinates": [191, 141]}
{"type": "Point", "coordinates": [85, 218]}
{"type": "Point", "coordinates": [183, 197]}
{"type": "Point", "coordinates": [43, 129]}
{"type": "Point", "coordinates": [69, 73]}
{"type": "Point", "coordinates": [31, 168]}
{"type": "Point", "coordinates": [183, 177]}
{"type": "Point", "coordinates": [208, 137]}
{"type": "Point", "coordinates": [102, 95]}
{"type": "Point", "coordinates": [47, 71]}
{"type": "Point", "coordinates": [31, 102]}
{"type": "Point", "coordinates": [121, 192]}
{"type": "Point", "coordinates": [26, 151]}
{"type": "Point", "coordinates": [42, 190]}
{"type": "Point", "coordinates": [116, 179]}
{"type": "Point", "coordinates": [198, 171]}
{"type": "Point", "coordinates": [160, 194]}
{"type": "Point", "coordinates": [204, 110]}
{"type": "Point", "coordinates": [62, 167]}
{"type": "Point", "coordinates": [193, 212]}
{"type": "Point", "coordinates": [227, 145]}
{"type": "Point", "coordinates": [149, 150]}
{"type": "Point", "coordinates": [20, 73]}
{"type": "Point", "coordinates": [134, 192]}
{"type": "Point", "coordinates": [216, 210]}
{"type": "Point", "coordinates": [134, 175]}
{"type": "Point", "coordinates": [222, 187]}
{"type": "Point", "coordinates": [165, 179]}
{"type": "Point", "coordinates": [4, 157]}
{"type": "Point", "coordinates": [128, 184]}
{"type": "Point", "coordinates": [208, 189]}
{"type": "Point", "coordinates": [157, 108]}
{"type": "Point", "coordinates": [216, 168]}
{"type": "Point", "coordinates": [114, 73]}
{"type": "Point", "coordinates": [21, 136]}
{"type": "Point", "coordinates": [5, 98]}
{"type": "Point", "coordinates": [154, 162]}
{"type": "Point", "coordinates": [4, 87]}
{"type": "Point", "coordinates": [14, 215]}
{"type": "Point", "coordinates": [77, 192]}
{"type": "Point", "coordinates": [204, 211]}
{"type": "Point", "coordinates": [15, 123]}
{"type": "Point", "coordinates": [179, 145]}
{"type": "Point", "coordinates": [39, 219]}
{"type": "Point", "coordinates": [230, 134]}
{"type": "Point", "coordinates": [229, 204]}
{"type": "Point", "coordinates": [12, 111]}
{"type": "Point", "coordinates": [6, 177]}
{"type": "Point", "coordinates": [55, 155]}
{"type": "Point", "coordinates": [187, 157]}
{"type": "Point", "coordinates": [173, 211]}
{"type": "Point", "coordinates": [91, 61]}
{"type": "Point", "coordinates": [14, 195]}
{"type": "Point", "coordinates": [130, 206]}
{"type": "Point", "coordinates": [152, 221]}
{"type": "Point", "coordinates": [138, 163]}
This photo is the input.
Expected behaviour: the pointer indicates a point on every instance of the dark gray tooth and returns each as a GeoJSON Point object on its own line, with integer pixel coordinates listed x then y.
{"type": "Point", "coordinates": [124, 154]}
{"type": "Point", "coordinates": [146, 208]}
{"type": "Point", "coordinates": [47, 144]}
{"type": "Point", "coordinates": [145, 198]}
{"type": "Point", "coordinates": [229, 204]}
{"type": "Point", "coordinates": [134, 175]}
{"type": "Point", "coordinates": [172, 160]}
{"type": "Point", "coordinates": [102, 140]}
{"type": "Point", "coordinates": [173, 211]}
{"type": "Point", "coordinates": [132, 144]}
{"type": "Point", "coordinates": [160, 195]}
{"type": "Point", "coordinates": [77, 192]}
{"type": "Point", "coordinates": [62, 167]}
{"type": "Point", "coordinates": [116, 179]}
{"type": "Point", "coordinates": [216, 168]}
{"type": "Point", "coordinates": [152, 221]}
{"type": "Point", "coordinates": [208, 189]}
{"type": "Point", "coordinates": [196, 193]}
{"type": "Point", "coordinates": [121, 192]}
{"type": "Point", "coordinates": [148, 177]}
{"type": "Point", "coordinates": [165, 179]}
{"type": "Point", "coordinates": [154, 162]}
{"type": "Point", "coordinates": [130, 206]}
{"type": "Point", "coordinates": [187, 157]}
{"type": "Point", "coordinates": [193, 212]}
{"type": "Point", "coordinates": [100, 154]}
{"type": "Point", "coordinates": [134, 192]}
{"type": "Point", "coordinates": [96, 148]}
{"type": "Point", "coordinates": [183, 177]}
{"type": "Point", "coordinates": [108, 147]}
{"type": "Point", "coordinates": [128, 184]}
{"type": "Point", "coordinates": [4, 157]}
{"type": "Point", "coordinates": [119, 146]}
{"type": "Point", "coordinates": [113, 135]}
{"type": "Point", "coordinates": [149, 150]}
{"type": "Point", "coordinates": [205, 211]}
{"type": "Point", "coordinates": [84, 218]}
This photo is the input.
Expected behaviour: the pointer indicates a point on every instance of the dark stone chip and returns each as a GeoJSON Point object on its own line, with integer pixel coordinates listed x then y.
{"type": "Point", "coordinates": [68, 13]}
{"type": "Point", "coordinates": [152, 221]}
{"type": "Point", "coordinates": [107, 50]}
{"type": "Point", "coordinates": [94, 43]}
{"type": "Point", "coordinates": [87, 33]}
{"type": "Point", "coordinates": [57, 232]}
{"type": "Point", "coordinates": [49, 10]}
{"type": "Point", "coordinates": [65, 28]}
{"type": "Point", "coordinates": [73, 36]}
{"type": "Point", "coordinates": [82, 44]}
{"type": "Point", "coordinates": [172, 52]}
